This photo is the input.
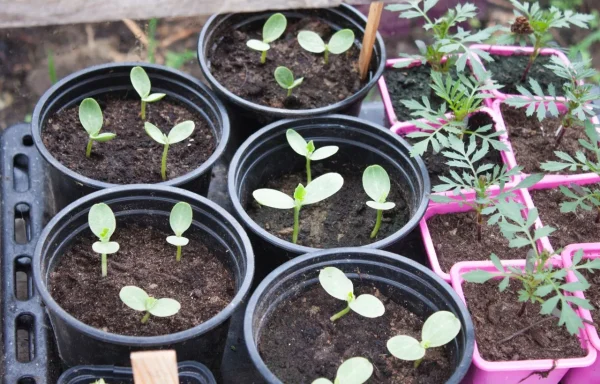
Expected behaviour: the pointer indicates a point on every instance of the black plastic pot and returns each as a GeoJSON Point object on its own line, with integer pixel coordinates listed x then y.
{"type": "Point", "coordinates": [66, 185]}
{"type": "Point", "coordinates": [190, 372]}
{"type": "Point", "coordinates": [81, 344]}
{"type": "Point", "coordinates": [248, 116]}
{"type": "Point", "coordinates": [266, 154]}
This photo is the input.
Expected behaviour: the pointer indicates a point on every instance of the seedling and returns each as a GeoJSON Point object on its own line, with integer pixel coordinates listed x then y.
{"type": "Point", "coordinates": [285, 79]}
{"type": "Point", "coordinates": [340, 42]}
{"type": "Point", "coordinates": [90, 116]}
{"type": "Point", "coordinates": [141, 83]}
{"type": "Point", "coordinates": [99, 381]}
{"type": "Point", "coordinates": [180, 221]}
{"type": "Point", "coordinates": [102, 222]}
{"type": "Point", "coordinates": [178, 133]}
{"type": "Point", "coordinates": [335, 283]}
{"type": "Point", "coordinates": [138, 300]}
{"type": "Point", "coordinates": [579, 96]}
{"type": "Point", "coordinates": [319, 189]}
{"type": "Point", "coordinates": [272, 30]}
{"type": "Point", "coordinates": [356, 370]}
{"type": "Point", "coordinates": [439, 329]}
{"type": "Point", "coordinates": [376, 183]}
{"type": "Point", "coordinates": [301, 147]}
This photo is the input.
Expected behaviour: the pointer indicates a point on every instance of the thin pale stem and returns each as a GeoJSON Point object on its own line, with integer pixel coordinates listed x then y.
{"type": "Point", "coordinates": [296, 224]}
{"type": "Point", "coordinates": [289, 92]}
{"type": "Point", "coordinates": [163, 166]}
{"type": "Point", "coordinates": [417, 363]}
{"type": "Point", "coordinates": [104, 265]}
{"type": "Point", "coordinates": [326, 57]}
{"type": "Point", "coordinates": [340, 313]}
{"type": "Point", "coordinates": [88, 150]}
{"type": "Point", "coordinates": [143, 110]}
{"type": "Point", "coordinates": [178, 258]}
{"type": "Point", "coordinates": [263, 57]}
{"type": "Point", "coordinates": [146, 318]}
{"type": "Point", "coordinates": [479, 225]}
{"type": "Point", "coordinates": [308, 174]}
{"type": "Point", "coordinates": [377, 223]}
{"type": "Point", "coordinates": [532, 58]}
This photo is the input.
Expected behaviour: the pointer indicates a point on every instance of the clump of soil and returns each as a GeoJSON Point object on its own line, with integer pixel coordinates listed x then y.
{"type": "Point", "coordinates": [201, 283]}
{"type": "Point", "coordinates": [341, 220]}
{"type": "Point", "coordinates": [572, 227]}
{"type": "Point", "coordinates": [533, 143]}
{"type": "Point", "coordinates": [131, 157]}
{"type": "Point", "coordinates": [495, 317]}
{"type": "Point", "coordinates": [238, 67]}
{"type": "Point", "coordinates": [300, 344]}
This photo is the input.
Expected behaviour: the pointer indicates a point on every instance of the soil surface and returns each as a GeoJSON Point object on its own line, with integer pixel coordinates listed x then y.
{"type": "Point", "coordinates": [454, 237]}
{"type": "Point", "coordinates": [131, 157]}
{"type": "Point", "coordinates": [593, 292]}
{"type": "Point", "coordinates": [201, 283]}
{"type": "Point", "coordinates": [342, 220]}
{"type": "Point", "coordinates": [300, 328]}
{"type": "Point", "coordinates": [238, 68]}
{"type": "Point", "coordinates": [533, 143]}
{"type": "Point", "coordinates": [572, 227]}
{"type": "Point", "coordinates": [508, 70]}
{"type": "Point", "coordinates": [495, 316]}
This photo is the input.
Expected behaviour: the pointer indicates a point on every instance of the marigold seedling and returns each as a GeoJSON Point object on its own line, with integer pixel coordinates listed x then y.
{"type": "Point", "coordinates": [301, 147]}
{"type": "Point", "coordinates": [285, 79]}
{"type": "Point", "coordinates": [90, 116]}
{"type": "Point", "coordinates": [178, 133]}
{"type": "Point", "coordinates": [337, 284]}
{"type": "Point", "coordinates": [138, 300]}
{"type": "Point", "coordinates": [356, 370]}
{"type": "Point", "coordinates": [319, 189]}
{"type": "Point", "coordinates": [141, 83]}
{"type": "Point", "coordinates": [340, 42]}
{"type": "Point", "coordinates": [439, 329]}
{"type": "Point", "coordinates": [180, 221]}
{"type": "Point", "coordinates": [376, 183]}
{"type": "Point", "coordinates": [272, 30]}
{"type": "Point", "coordinates": [102, 222]}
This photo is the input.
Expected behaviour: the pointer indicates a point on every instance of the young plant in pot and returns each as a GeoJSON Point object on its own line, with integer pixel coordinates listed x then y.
{"type": "Point", "coordinates": [89, 129]}
{"type": "Point", "coordinates": [360, 303]}
{"type": "Point", "coordinates": [139, 298]}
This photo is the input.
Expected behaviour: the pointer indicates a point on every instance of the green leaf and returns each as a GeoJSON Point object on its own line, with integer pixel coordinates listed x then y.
{"type": "Point", "coordinates": [478, 276]}
{"type": "Point", "coordinates": [324, 152]}
{"type": "Point", "coordinates": [273, 198]}
{"type": "Point", "coordinates": [542, 232]}
{"type": "Point", "coordinates": [439, 329]}
{"type": "Point", "coordinates": [341, 41]}
{"type": "Point", "coordinates": [299, 193]}
{"type": "Point", "coordinates": [274, 27]}
{"type": "Point", "coordinates": [140, 81]}
{"type": "Point", "coordinates": [497, 263]}
{"type": "Point", "coordinates": [296, 82]}
{"type": "Point", "coordinates": [336, 283]}
{"type": "Point", "coordinates": [549, 305]}
{"type": "Point", "coordinates": [153, 97]}
{"type": "Point", "coordinates": [544, 290]}
{"type": "Point", "coordinates": [322, 381]}
{"type": "Point", "coordinates": [405, 348]}
{"type": "Point", "coordinates": [107, 248]}
{"type": "Point", "coordinates": [165, 308]}
{"type": "Point", "coordinates": [368, 306]}
{"type": "Point", "coordinates": [90, 116]}
{"type": "Point", "coordinates": [504, 284]}
{"type": "Point", "coordinates": [181, 131]}
{"type": "Point", "coordinates": [574, 286]}
{"type": "Point", "coordinates": [102, 222]}
{"type": "Point", "coordinates": [297, 142]}
{"type": "Point", "coordinates": [178, 241]}
{"type": "Point", "coordinates": [381, 206]}
{"type": "Point", "coordinates": [530, 181]}
{"type": "Point", "coordinates": [356, 370]}
{"type": "Point", "coordinates": [311, 42]}
{"type": "Point", "coordinates": [323, 187]}
{"type": "Point", "coordinates": [376, 183]}
{"type": "Point", "coordinates": [257, 45]}
{"type": "Point", "coordinates": [180, 218]}
{"type": "Point", "coordinates": [103, 137]}
{"type": "Point", "coordinates": [518, 242]}
{"type": "Point", "coordinates": [155, 133]}
{"type": "Point", "coordinates": [134, 297]}
{"type": "Point", "coordinates": [284, 77]}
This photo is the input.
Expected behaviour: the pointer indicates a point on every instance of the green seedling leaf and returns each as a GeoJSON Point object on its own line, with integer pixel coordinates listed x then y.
{"type": "Point", "coordinates": [102, 222]}
{"type": "Point", "coordinates": [311, 42]}
{"type": "Point", "coordinates": [368, 306]}
{"type": "Point", "coordinates": [258, 45]}
{"type": "Point", "coordinates": [103, 137]}
{"type": "Point", "coordinates": [405, 348]}
{"type": "Point", "coordinates": [341, 41]}
{"type": "Point", "coordinates": [178, 241]}
{"type": "Point", "coordinates": [274, 199]}
{"type": "Point", "coordinates": [178, 133]}
{"type": "Point", "coordinates": [356, 370]}
{"type": "Point", "coordinates": [134, 297]}
{"type": "Point", "coordinates": [181, 132]}
{"type": "Point", "coordinates": [106, 248]}
{"type": "Point", "coordinates": [297, 142]}
{"type": "Point", "coordinates": [181, 218]}
{"type": "Point", "coordinates": [138, 300]}
{"type": "Point", "coordinates": [165, 308]}
{"type": "Point", "coordinates": [90, 116]}
{"type": "Point", "coordinates": [324, 152]}
{"type": "Point", "coordinates": [376, 183]}
{"type": "Point", "coordinates": [285, 79]}
{"type": "Point", "coordinates": [323, 187]}
{"type": "Point", "coordinates": [301, 147]}
{"type": "Point", "coordinates": [439, 329]}
{"type": "Point", "coordinates": [322, 381]}
{"type": "Point", "coordinates": [153, 97]}
{"type": "Point", "coordinates": [140, 81]}
{"type": "Point", "coordinates": [99, 381]}
{"type": "Point", "coordinates": [155, 133]}
{"type": "Point", "coordinates": [274, 27]}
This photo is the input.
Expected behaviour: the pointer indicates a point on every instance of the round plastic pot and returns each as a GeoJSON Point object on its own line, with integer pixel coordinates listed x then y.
{"type": "Point", "coordinates": [67, 185]}
{"type": "Point", "coordinates": [266, 155]}
{"type": "Point", "coordinates": [399, 278]}
{"type": "Point", "coordinates": [248, 116]}
{"type": "Point", "coordinates": [81, 344]}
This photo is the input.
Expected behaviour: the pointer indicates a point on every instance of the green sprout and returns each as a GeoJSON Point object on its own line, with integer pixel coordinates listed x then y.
{"type": "Point", "coordinates": [180, 221]}
{"type": "Point", "coordinates": [340, 42]}
{"type": "Point", "coordinates": [272, 30]}
{"type": "Point", "coordinates": [178, 133]}
{"type": "Point", "coordinates": [337, 284]}
{"type": "Point", "coordinates": [102, 222]}
{"type": "Point", "coordinates": [439, 329]}
{"type": "Point", "coordinates": [285, 79]}
{"type": "Point", "coordinates": [319, 189]}
{"type": "Point", "coordinates": [138, 300]}
{"type": "Point", "coordinates": [99, 381]}
{"type": "Point", "coordinates": [376, 183]}
{"type": "Point", "coordinates": [141, 83]}
{"type": "Point", "coordinates": [90, 116]}
{"type": "Point", "coordinates": [356, 370]}
{"type": "Point", "coordinates": [301, 147]}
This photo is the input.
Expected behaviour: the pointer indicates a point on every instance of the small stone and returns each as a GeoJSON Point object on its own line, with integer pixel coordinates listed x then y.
{"type": "Point", "coordinates": [152, 286]}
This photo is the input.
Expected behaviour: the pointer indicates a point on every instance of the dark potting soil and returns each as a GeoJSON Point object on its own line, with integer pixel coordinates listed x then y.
{"type": "Point", "coordinates": [571, 228]}
{"type": "Point", "coordinates": [238, 68]}
{"type": "Point", "coordinates": [201, 283]}
{"type": "Point", "coordinates": [495, 316]}
{"type": "Point", "coordinates": [593, 292]}
{"type": "Point", "coordinates": [436, 162]}
{"type": "Point", "coordinates": [508, 71]}
{"type": "Point", "coordinates": [533, 143]}
{"type": "Point", "coordinates": [300, 344]}
{"type": "Point", "coordinates": [131, 157]}
{"type": "Point", "coordinates": [454, 237]}
{"type": "Point", "coordinates": [342, 220]}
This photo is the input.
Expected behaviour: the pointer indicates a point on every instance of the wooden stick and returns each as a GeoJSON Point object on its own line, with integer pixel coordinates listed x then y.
{"type": "Point", "coordinates": [154, 367]}
{"type": "Point", "coordinates": [369, 39]}
{"type": "Point", "coordinates": [137, 31]}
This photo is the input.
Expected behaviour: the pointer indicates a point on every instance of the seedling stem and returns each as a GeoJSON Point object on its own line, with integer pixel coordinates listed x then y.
{"type": "Point", "coordinates": [88, 150]}
{"type": "Point", "coordinates": [341, 313]}
{"type": "Point", "coordinates": [308, 174]}
{"type": "Point", "coordinates": [143, 110]}
{"type": "Point", "coordinates": [104, 265]}
{"type": "Point", "coordinates": [163, 164]}
{"type": "Point", "coordinates": [146, 318]}
{"type": "Point", "coordinates": [178, 257]}
{"type": "Point", "coordinates": [377, 223]}
{"type": "Point", "coordinates": [296, 223]}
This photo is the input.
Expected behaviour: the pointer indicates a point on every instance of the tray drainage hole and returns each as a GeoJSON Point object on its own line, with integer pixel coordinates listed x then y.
{"type": "Point", "coordinates": [24, 336]}
{"type": "Point", "coordinates": [27, 140]}
{"type": "Point", "coordinates": [24, 282]}
{"type": "Point", "coordinates": [21, 173]}
{"type": "Point", "coordinates": [22, 223]}
{"type": "Point", "coordinates": [26, 380]}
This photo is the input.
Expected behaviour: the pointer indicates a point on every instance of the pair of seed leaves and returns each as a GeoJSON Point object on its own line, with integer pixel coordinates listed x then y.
{"type": "Point", "coordinates": [356, 370]}
{"type": "Point", "coordinates": [307, 149]}
{"type": "Point", "coordinates": [339, 42]}
{"type": "Point", "coordinates": [90, 116]}
{"type": "Point", "coordinates": [180, 221]}
{"type": "Point", "coordinates": [272, 30]}
{"type": "Point", "coordinates": [285, 78]}
{"type": "Point", "coordinates": [138, 300]}
{"type": "Point", "coordinates": [178, 133]}
{"type": "Point", "coordinates": [141, 83]}
{"type": "Point", "coordinates": [102, 222]}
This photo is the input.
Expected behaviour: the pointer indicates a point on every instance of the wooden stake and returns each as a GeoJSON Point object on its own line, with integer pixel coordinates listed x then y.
{"type": "Point", "coordinates": [369, 39]}
{"type": "Point", "coordinates": [154, 367]}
